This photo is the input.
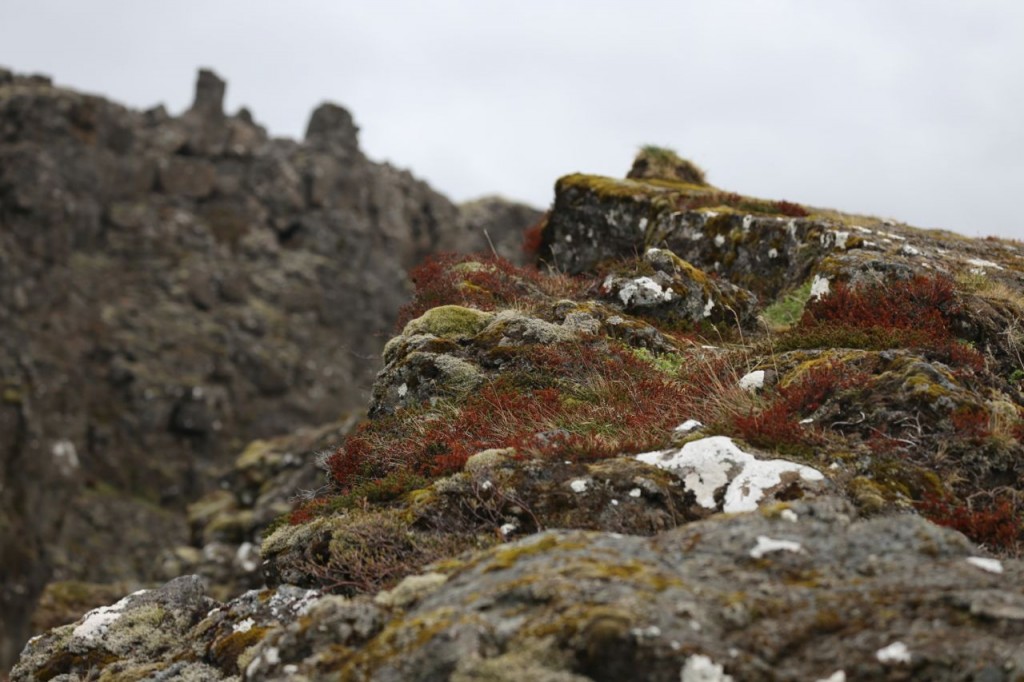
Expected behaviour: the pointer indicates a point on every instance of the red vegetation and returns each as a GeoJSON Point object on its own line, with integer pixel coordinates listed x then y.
{"type": "Point", "coordinates": [998, 526]}
{"type": "Point", "coordinates": [533, 236]}
{"type": "Point", "coordinates": [483, 282]}
{"type": "Point", "coordinates": [307, 511]}
{"type": "Point", "coordinates": [898, 313]}
{"type": "Point", "coordinates": [972, 423]}
{"type": "Point", "coordinates": [572, 401]}
{"type": "Point", "coordinates": [788, 208]}
{"type": "Point", "coordinates": [777, 426]}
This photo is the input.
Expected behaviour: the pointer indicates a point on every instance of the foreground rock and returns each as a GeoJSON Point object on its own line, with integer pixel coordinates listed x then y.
{"type": "Point", "coordinates": [172, 287]}
{"type": "Point", "coordinates": [799, 591]}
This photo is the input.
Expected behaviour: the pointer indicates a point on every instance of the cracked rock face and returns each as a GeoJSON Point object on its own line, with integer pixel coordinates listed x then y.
{"type": "Point", "coordinates": [172, 287]}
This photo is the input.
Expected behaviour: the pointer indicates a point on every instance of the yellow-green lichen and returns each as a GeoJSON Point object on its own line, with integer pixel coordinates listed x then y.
{"type": "Point", "coordinates": [506, 557]}
{"type": "Point", "coordinates": [227, 651]}
{"type": "Point", "coordinates": [449, 321]}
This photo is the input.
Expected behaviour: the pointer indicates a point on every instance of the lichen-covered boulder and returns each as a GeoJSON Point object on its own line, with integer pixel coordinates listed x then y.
{"type": "Point", "coordinates": [145, 628]}
{"type": "Point", "coordinates": [801, 590]}
{"type": "Point", "coordinates": [753, 245]}
{"type": "Point", "coordinates": [743, 593]}
{"type": "Point", "coordinates": [676, 292]}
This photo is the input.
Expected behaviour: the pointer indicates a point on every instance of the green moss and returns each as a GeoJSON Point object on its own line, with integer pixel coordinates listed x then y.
{"type": "Point", "coordinates": [449, 321]}
{"type": "Point", "coordinates": [787, 310]}
{"type": "Point", "coordinates": [609, 188]}
{"type": "Point", "coordinates": [669, 363]}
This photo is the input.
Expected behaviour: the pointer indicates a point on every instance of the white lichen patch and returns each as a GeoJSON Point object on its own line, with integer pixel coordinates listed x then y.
{"type": "Point", "coordinates": [819, 287]}
{"type": "Point", "coordinates": [402, 390]}
{"type": "Point", "coordinates": [65, 457]}
{"type": "Point", "coordinates": [244, 626]}
{"type": "Point", "coordinates": [752, 381]}
{"type": "Point", "coordinates": [713, 463]}
{"type": "Point", "coordinates": [980, 263]}
{"type": "Point", "coordinates": [986, 564]}
{"type": "Point", "coordinates": [635, 492]}
{"type": "Point", "coordinates": [247, 557]}
{"type": "Point", "coordinates": [288, 604]}
{"type": "Point", "coordinates": [95, 623]}
{"type": "Point", "coordinates": [773, 254]}
{"type": "Point", "coordinates": [748, 220]}
{"type": "Point", "coordinates": [579, 485]}
{"type": "Point", "coordinates": [908, 250]}
{"type": "Point", "coordinates": [767, 545]}
{"type": "Point", "coordinates": [719, 240]}
{"type": "Point", "coordinates": [789, 515]}
{"type": "Point", "coordinates": [270, 656]}
{"type": "Point", "coordinates": [897, 652]}
{"type": "Point", "coordinates": [700, 668]}
{"type": "Point", "coordinates": [643, 291]}
{"type": "Point", "coordinates": [708, 307]}
{"type": "Point", "coordinates": [835, 238]}
{"type": "Point", "coordinates": [687, 426]}
{"type": "Point", "coordinates": [507, 529]}
{"type": "Point", "coordinates": [837, 676]}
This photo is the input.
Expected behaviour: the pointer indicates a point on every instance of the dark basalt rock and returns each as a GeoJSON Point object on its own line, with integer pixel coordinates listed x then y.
{"type": "Point", "coordinates": [172, 287]}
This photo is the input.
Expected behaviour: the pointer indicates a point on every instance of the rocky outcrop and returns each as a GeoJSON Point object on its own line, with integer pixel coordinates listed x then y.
{"type": "Point", "coordinates": [172, 287]}
{"type": "Point", "coordinates": [747, 439]}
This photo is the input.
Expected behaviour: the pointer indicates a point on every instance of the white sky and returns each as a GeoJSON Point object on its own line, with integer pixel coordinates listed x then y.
{"type": "Point", "coordinates": [912, 109]}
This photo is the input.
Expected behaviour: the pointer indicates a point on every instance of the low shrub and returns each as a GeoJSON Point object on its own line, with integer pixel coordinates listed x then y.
{"type": "Point", "coordinates": [566, 400]}
{"type": "Point", "coordinates": [482, 282]}
{"type": "Point", "coordinates": [914, 313]}
{"type": "Point", "coordinates": [778, 427]}
{"type": "Point", "coordinates": [997, 525]}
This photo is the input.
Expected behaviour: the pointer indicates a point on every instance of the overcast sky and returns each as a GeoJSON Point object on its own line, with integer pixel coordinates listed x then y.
{"type": "Point", "coordinates": [912, 109]}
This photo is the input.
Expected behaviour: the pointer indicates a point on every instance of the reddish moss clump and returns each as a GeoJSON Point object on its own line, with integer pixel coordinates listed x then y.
{"type": "Point", "coordinates": [778, 425]}
{"type": "Point", "coordinates": [568, 400]}
{"type": "Point", "coordinates": [913, 313]}
{"type": "Point", "coordinates": [997, 525]}
{"type": "Point", "coordinates": [533, 236]}
{"type": "Point", "coordinates": [482, 282]}
{"type": "Point", "coordinates": [793, 210]}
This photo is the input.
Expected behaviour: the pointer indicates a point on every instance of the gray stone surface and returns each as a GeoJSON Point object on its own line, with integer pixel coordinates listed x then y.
{"type": "Point", "coordinates": [800, 591]}
{"type": "Point", "coordinates": [172, 287]}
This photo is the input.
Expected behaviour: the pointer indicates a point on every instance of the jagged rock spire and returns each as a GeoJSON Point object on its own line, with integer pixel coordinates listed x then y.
{"type": "Point", "coordinates": [332, 124]}
{"type": "Point", "coordinates": [209, 98]}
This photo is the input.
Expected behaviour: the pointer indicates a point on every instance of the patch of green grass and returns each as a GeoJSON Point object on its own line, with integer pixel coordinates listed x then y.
{"type": "Point", "coordinates": [667, 363]}
{"type": "Point", "coordinates": [786, 311]}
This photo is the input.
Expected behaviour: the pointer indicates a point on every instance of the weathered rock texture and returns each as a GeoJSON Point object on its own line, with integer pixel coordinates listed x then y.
{"type": "Point", "coordinates": [170, 289]}
{"type": "Point", "coordinates": [748, 440]}
{"type": "Point", "coordinates": [804, 591]}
